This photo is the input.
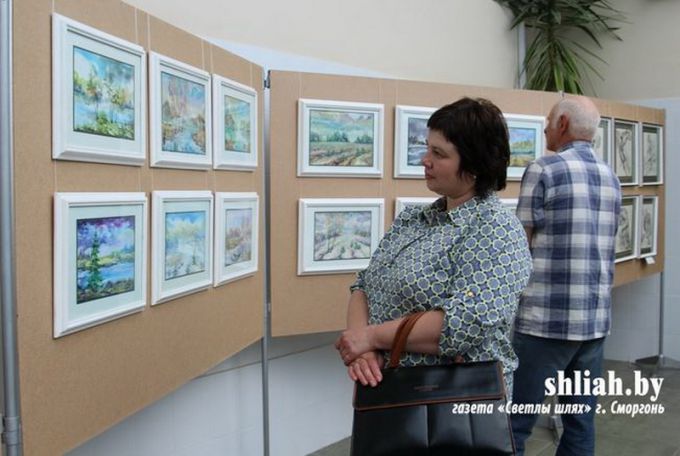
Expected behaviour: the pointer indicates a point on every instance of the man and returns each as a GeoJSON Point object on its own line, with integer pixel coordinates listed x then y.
{"type": "Point", "coordinates": [569, 205]}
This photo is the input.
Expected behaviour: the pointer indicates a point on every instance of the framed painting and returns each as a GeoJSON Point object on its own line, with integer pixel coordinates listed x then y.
{"type": "Point", "coordinates": [337, 235]}
{"type": "Point", "coordinates": [510, 204]}
{"type": "Point", "coordinates": [100, 245]}
{"type": "Point", "coordinates": [340, 139]}
{"type": "Point", "coordinates": [179, 113]}
{"type": "Point", "coordinates": [182, 244]}
{"type": "Point", "coordinates": [234, 125]}
{"type": "Point", "coordinates": [652, 155]}
{"type": "Point", "coordinates": [402, 203]}
{"type": "Point", "coordinates": [236, 239]}
{"type": "Point", "coordinates": [626, 236]}
{"type": "Point", "coordinates": [98, 96]}
{"type": "Point", "coordinates": [649, 223]}
{"type": "Point", "coordinates": [624, 156]}
{"type": "Point", "coordinates": [526, 142]}
{"type": "Point", "coordinates": [602, 143]}
{"type": "Point", "coordinates": [410, 140]}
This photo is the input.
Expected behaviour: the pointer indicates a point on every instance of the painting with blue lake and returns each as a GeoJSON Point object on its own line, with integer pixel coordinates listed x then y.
{"type": "Point", "coordinates": [238, 236]}
{"type": "Point", "coordinates": [103, 95]}
{"type": "Point", "coordinates": [341, 138]}
{"type": "Point", "coordinates": [105, 257]}
{"type": "Point", "coordinates": [183, 108]}
{"type": "Point", "coordinates": [236, 125]}
{"type": "Point", "coordinates": [522, 146]}
{"type": "Point", "coordinates": [185, 243]}
{"type": "Point", "coordinates": [417, 141]}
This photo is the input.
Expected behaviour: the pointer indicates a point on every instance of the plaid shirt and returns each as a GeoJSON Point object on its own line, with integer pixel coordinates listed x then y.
{"type": "Point", "coordinates": [571, 200]}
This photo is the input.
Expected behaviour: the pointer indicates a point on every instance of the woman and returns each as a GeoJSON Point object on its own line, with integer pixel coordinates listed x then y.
{"type": "Point", "coordinates": [464, 259]}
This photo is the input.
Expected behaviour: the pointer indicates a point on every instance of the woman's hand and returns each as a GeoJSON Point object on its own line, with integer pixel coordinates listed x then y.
{"type": "Point", "coordinates": [353, 343]}
{"type": "Point", "coordinates": [366, 369]}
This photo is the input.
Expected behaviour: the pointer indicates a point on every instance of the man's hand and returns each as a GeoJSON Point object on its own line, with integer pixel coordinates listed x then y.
{"type": "Point", "coordinates": [366, 368]}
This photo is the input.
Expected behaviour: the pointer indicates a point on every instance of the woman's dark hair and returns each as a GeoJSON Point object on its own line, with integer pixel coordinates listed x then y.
{"type": "Point", "coordinates": [478, 130]}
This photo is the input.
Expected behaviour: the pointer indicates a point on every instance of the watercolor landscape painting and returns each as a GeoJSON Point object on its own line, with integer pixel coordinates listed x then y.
{"type": "Point", "coordinates": [238, 236]}
{"type": "Point", "coordinates": [105, 257]}
{"type": "Point", "coordinates": [417, 140]}
{"type": "Point", "coordinates": [341, 138]}
{"type": "Point", "coordinates": [342, 235]}
{"type": "Point", "coordinates": [185, 243]}
{"type": "Point", "coordinates": [103, 95]}
{"type": "Point", "coordinates": [522, 146]}
{"type": "Point", "coordinates": [236, 125]}
{"type": "Point", "coordinates": [183, 111]}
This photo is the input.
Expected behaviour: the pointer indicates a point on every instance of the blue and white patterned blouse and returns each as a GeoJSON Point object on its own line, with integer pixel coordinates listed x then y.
{"type": "Point", "coordinates": [471, 262]}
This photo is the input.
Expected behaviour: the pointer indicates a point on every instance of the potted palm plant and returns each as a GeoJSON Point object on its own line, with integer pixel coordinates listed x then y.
{"type": "Point", "coordinates": [557, 57]}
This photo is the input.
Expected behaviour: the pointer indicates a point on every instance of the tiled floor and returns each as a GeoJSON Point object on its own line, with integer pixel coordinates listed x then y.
{"type": "Point", "coordinates": [617, 434]}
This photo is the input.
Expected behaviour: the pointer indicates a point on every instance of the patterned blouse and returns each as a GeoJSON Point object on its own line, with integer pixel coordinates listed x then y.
{"type": "Point", "coordinates": [471, 262]}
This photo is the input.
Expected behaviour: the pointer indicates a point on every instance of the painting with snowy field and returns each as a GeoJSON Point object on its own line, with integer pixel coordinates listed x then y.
{"type": "Point", "coordinates": [338, 138]}
{"type": "Point", "coordinates": [103, 95]}
{"type": "Point", "coordinates": [342, 235]}
{"type": "Point", "coordinates": [183, 111]}
{"type": "Point", "coordinates": [185, 236]}
{"type": "Point", "coordinates": [417, 141]}
{"type": "Point", "coordinates": [238, 236]}
{"type": "Point", "coordinates": [105, 257]}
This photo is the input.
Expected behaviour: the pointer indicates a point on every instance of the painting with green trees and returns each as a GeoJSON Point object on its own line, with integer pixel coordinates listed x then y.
{"type": "Point", "coordinates": [185, 243]}
{"type": "Point", "coordinates": [522, 146]}
{"type": "Point", "coordinates": [183, 108]}
{"type": "Point", "coordinates": [341, 138]}
{"type": "Point", "coordinates": [236, 125]}
{"type": "Point", "coordinates": [103, 95]}
{"type": "Point", "coordinates": [105, 257]}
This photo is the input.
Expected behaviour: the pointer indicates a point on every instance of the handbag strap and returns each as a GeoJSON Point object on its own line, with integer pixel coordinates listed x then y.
{"type": "Point", "coordinates": [399, 342]}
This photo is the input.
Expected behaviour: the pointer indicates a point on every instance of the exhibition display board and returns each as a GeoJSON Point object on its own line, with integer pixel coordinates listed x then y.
{"type": "Point", "coordinates": [130, 134]}
{"type": "Point", "coordinates": [76, 381]}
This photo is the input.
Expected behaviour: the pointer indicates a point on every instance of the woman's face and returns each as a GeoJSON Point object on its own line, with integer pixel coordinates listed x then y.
{"type": "Point", "coordinates": [442, 163]}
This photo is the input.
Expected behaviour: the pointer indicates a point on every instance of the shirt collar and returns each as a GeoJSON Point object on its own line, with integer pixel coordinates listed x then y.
{"type": "Point", "coordinates": [578, 144]}
{"type": "Point", "coordinates": [459, 215]}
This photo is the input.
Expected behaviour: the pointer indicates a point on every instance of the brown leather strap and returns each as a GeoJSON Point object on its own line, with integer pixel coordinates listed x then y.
{"type": "Point", "coordinates": [401, 336]}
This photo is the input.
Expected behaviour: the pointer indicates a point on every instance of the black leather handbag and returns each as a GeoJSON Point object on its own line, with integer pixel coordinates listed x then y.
{"type": "Point", "coordinates": [442, 410]}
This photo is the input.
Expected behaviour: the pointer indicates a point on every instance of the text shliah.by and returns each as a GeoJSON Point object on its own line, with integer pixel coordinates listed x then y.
{"type": "Point", "coordinates": [581, 384]}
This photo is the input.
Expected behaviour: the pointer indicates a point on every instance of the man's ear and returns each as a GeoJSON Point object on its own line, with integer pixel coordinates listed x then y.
{"type": "Point", "coordinates": [563, 124]}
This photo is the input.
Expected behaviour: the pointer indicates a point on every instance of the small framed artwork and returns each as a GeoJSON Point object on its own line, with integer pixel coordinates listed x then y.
{"type": "Point", "coordinates": [339, 139]}
{"type": "Point", "coordinates": [98, 96]}
{"type": "Point", "coordinates": [510, 204]}
{"type": "Point", "coordinates": [402, 203]}
{"type": "Point", "coordinates": [100, 245]}
{"type": "Point", "coordinates": [410, 140]}
{"type": "Point", "coordinates": [652, 155]}
{"type": "Point", "coordinates": [234, 125]}
{"type": "Point", "coordinates": [236, 238]}
{"type": "Point", "coordinates": [182, 244]}
{"type": "Point", "coordinates": [526, 142]}
{"type": "Point", "coordinates": [649, 223]}
{"type": "Point", "coordinates": [179, 113]}
{"type": "Point", "coordinates": [337, 235]}
{"type": "Point", "coordinates": [602, 143]}
{"type": "Point", "coordinates": [626, 236]}
{"type": "Point", "coordinates": [624, 157]}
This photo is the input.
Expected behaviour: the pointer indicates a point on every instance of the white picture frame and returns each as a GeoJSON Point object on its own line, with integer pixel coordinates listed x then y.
{"type": "Point", "coordinates": [182, 246]}
{"type": "Point", "coordinates": [526, 142]}
{"type": "Point", "coordinates": [358, 225]}
{"type": "Point", "coordinates": [602, 143]}
{"type": "Point", "coordinates": [410, 140]}
{"type": "Point", "coordinates": [98, 96]}
{"type": "Point", "coordinates": [100, 248]}
{"type": "Point", "coordinates": [626, 243]}
{"type": "Point", "coordinates": [649, 225]}
{"type": "Point", "coordinates": [236, 236]}
{"type": "Point", "coordinates": [651, 154]}
{"type": "Point", "coordinates": [324, 125]}
{"type": "Point", "coordinates": [626, 151]}
{"type": "Point", "coordinates": [235, 146]}
{"type": "Point", "coordinates": [402, 202]}
{"type": "Point", "coordinates": [179, 114]}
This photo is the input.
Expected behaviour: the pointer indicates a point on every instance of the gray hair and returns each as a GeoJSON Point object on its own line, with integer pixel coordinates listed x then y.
{"type": "Point", "coordinates": [582, 114]}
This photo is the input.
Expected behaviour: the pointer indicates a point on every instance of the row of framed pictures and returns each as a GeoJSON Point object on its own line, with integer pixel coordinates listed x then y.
{"type": "Point", "coordinates": [101, 242]}
{"type": "Point", "coordinates": [638, 227]}
{"type": "Point", "coordinates": [197, 120]}
{"type": "Point", "coordinates": [634, 150]}
{"type": "Point", "coordinates": [343, 139]}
